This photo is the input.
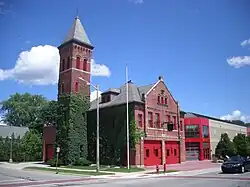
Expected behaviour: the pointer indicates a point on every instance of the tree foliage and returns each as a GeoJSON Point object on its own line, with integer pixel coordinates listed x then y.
{"type": "Point", "coordinates": [22, 109]}
{"type": "Point", "coordinates": [135, 134]}
{"type": "Point", "coordinates": [242, 145]}
{"type": "Point", "coordinates": [72, 127]}
{"type": "Point", "coordinates": [28, 110]}
{"type": "Point", "coordinates": [27, 148]}
{"type": "Point", "coordinates": [225, 146]}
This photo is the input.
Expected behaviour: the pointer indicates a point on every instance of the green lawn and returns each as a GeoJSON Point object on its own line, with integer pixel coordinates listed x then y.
{"type": "Point", "coordinates": [68, 171]}
{"type": "Point", "coordinates": [125, 170]}
{"type": "Point", "coordinates": [80, 167]}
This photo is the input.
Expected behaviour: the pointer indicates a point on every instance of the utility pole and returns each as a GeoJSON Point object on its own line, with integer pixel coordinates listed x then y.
{"type": "Point", "coordinates": [128, 156]}
{"type": "Point", "coordinates": [179, 135]}
{"type": "Point", "coordinates": [97, 131]}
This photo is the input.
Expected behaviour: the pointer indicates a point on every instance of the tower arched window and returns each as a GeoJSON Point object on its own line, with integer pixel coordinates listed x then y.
{"type": "Point", "coordinates": [68, 62]}
{"type": "Point", "coordinates": [85, 65]}
{"type": "Point", "coordinates": [78, 62]}
{"type": "Point", "coordinates": [76, 86]}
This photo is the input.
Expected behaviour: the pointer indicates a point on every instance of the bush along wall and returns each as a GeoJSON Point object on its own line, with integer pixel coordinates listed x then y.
{"type": "Point", "coordinates": [72, 127]}
{"type": "Point", "coordinates": [112, 134]}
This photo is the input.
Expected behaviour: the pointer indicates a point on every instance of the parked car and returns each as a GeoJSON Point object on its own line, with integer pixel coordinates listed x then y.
{"type": "Point", "coordinates": [236, 164]}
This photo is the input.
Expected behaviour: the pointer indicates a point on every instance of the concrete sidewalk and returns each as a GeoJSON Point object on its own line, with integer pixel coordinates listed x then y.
{"type": "Point", "coordinates": [185, 168]}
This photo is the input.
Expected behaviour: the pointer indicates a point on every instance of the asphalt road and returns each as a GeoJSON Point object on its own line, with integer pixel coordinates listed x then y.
{"type": "Point", "coordinates": [11, 177]}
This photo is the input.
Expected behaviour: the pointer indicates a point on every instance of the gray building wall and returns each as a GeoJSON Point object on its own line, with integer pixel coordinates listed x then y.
{"type": "Point", "coordinates": [216, 128]}
{"type": "Point", "coordinates": [6, 130]}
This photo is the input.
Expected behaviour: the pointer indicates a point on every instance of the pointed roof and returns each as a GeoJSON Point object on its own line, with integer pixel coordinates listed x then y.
{"type": "Point", "coordinates": [78, 33]}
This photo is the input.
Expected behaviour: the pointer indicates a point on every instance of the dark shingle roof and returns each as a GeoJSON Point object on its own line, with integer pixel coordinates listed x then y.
{"type": "Point", "coordinates": [6, 130]}
{"type": "Point", "coordinates": [77, 32]}
{"type": "Point", "coordinates": [134, 95]}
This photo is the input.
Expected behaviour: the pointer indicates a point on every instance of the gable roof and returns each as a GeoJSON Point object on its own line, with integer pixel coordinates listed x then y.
{"type": "Point", "coordinates": [134, 95]}
{"type": "Point", "coordinates": [6, 130]}
{"type": "Point", "coordinates": [78, 33]}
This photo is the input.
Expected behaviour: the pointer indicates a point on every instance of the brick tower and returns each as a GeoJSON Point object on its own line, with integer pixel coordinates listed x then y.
{"type": "Point", "coordinates": [75, 61]}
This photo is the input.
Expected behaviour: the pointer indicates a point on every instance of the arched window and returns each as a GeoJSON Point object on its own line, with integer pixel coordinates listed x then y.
{"type": "Point", "coordinates": [166, 101]}
{"type": "Point", "coordinates": [77, 62]}
{"type": "Point", "coordinates": [68, 62]}
{"type": "Point", "coordinates": [76, 86]}
{"type": "Point", "coordinates": [85, 65]}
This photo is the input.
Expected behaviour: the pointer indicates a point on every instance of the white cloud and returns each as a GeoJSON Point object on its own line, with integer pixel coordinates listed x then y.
{"type": "Point", "coordinates": [245, 43]}
{"type": "Point", "coordinates": [93, 95]}
{"type": "Point", "coordinates": [40, 66]}
{"type": "Point", "coordinates": [137, 1]}
{"type": "Point", "coordinates": [239, 61]}
{"type": "Point", "coordinates": [236, 115]}
{"type": "Point", "coordinates": [99, 69]}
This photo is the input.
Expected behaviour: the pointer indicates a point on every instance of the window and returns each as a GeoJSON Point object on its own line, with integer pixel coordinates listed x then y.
{"type": "Point", "coordinates": [168, 153]}
{"type": "Point", "coordinates": [162, 100]}
{"type": "Point", "coordinates": [68, 62]}
{"type": "Point", "coordinates": [168, 116]}
{"type": "Point", "coordinates": [159, 99]}
{"type": "Point", "coordinates": [85, 64]}
{"type": "Point", "coordinates": [181, 125]}
{"type": "Point", "coordinates": [140, 120]}
{"type": "Point", "coordinates": [205, 133]}
{"type": "Point", "coordinates": [166, 101]}
{"type": "Point", "coordinates": [147, 152]}
{"type": "Point", "coordinates": [157, 120]}
{"type": "Point", "coordinates": [78, 62]}
{"type": "Point", "coordinates": [108, 98]}
{"type": "Point", "coordinates": [192, 131]}
{"type": "Point", "coordinates": [76, 86]}
{"type": "Point", "coordinates": [150, 119]}
{"type": "Point", "coordinates": [156, 152]}
{"type": "Point", "coordinates": [175, 124]}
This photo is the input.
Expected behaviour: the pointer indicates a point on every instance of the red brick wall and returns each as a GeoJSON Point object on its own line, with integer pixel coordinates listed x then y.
{"type": "Point", "coordinates": [159, 133]}
{"type": "Point", "coordinates": [70, 76]}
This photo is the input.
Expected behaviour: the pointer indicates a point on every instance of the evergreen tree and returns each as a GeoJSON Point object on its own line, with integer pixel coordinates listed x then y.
{"type": "Point", "coordinates": [225, 146]}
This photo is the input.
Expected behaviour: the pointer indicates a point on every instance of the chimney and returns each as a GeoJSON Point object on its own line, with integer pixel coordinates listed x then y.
{"type": "Point", "coordinates": [160, 78]}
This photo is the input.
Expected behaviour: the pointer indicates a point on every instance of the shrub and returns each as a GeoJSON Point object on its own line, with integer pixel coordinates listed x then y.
{"type": "Point", "coordinates": [82, 162]}
{"type": "Point", "coordinates": [52, 162]}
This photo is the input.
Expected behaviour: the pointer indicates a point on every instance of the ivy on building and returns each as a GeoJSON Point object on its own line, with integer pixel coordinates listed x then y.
{"type": "Point", "coordinates": [112, 134]}
{"type": "Point", "coordinates": [72, 127]}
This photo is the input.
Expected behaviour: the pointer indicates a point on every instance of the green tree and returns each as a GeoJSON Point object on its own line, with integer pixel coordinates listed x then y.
{"type": "Point", "coordinates": [31, 146]}
{"type": "Point", "coordinates": [22, 109]}
{"type": "Point", "coordinates": [225, 146]}
{"type": "Point", "coordinates": [135, 134]}
{"type": "Point", "coordinates": [47, 114]}
{"type": "Point", "coordinates": [241, 144]}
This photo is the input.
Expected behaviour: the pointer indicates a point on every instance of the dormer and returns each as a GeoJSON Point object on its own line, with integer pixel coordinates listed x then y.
{"type": "Point", "coordinates": [109, 95]}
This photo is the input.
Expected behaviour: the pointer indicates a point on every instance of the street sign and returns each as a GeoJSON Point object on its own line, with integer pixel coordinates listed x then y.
{"type": "Point", "coordinates": [58, 149]}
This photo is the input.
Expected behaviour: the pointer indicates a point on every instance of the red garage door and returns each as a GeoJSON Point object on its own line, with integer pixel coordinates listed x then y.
{"type": "Point", "coordinates": [152, 152]}
{"type": "Point", "coordinates": [172, 152]}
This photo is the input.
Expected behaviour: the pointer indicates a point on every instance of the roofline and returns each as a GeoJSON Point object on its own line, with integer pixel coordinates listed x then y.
{"type": "Point", "coordinates": [77, 42]}
{"type": "Point", "coordinates": [176, 102]}
{"type": "Point", "coordinates": [212, 118]}
{"type": "Point", "coordinates": [110, 106]}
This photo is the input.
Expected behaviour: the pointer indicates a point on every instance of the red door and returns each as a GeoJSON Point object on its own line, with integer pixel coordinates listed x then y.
{"type": "Point", "coordinates": [152, 152]}
{"type": "Point", "coordinates": [172, 152]}
{"type": "Point", "coordinates": [49, 151]}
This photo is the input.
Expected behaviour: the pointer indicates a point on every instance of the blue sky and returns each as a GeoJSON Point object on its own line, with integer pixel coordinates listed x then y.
{"type": "Point", "coordinates": [201, 48]}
